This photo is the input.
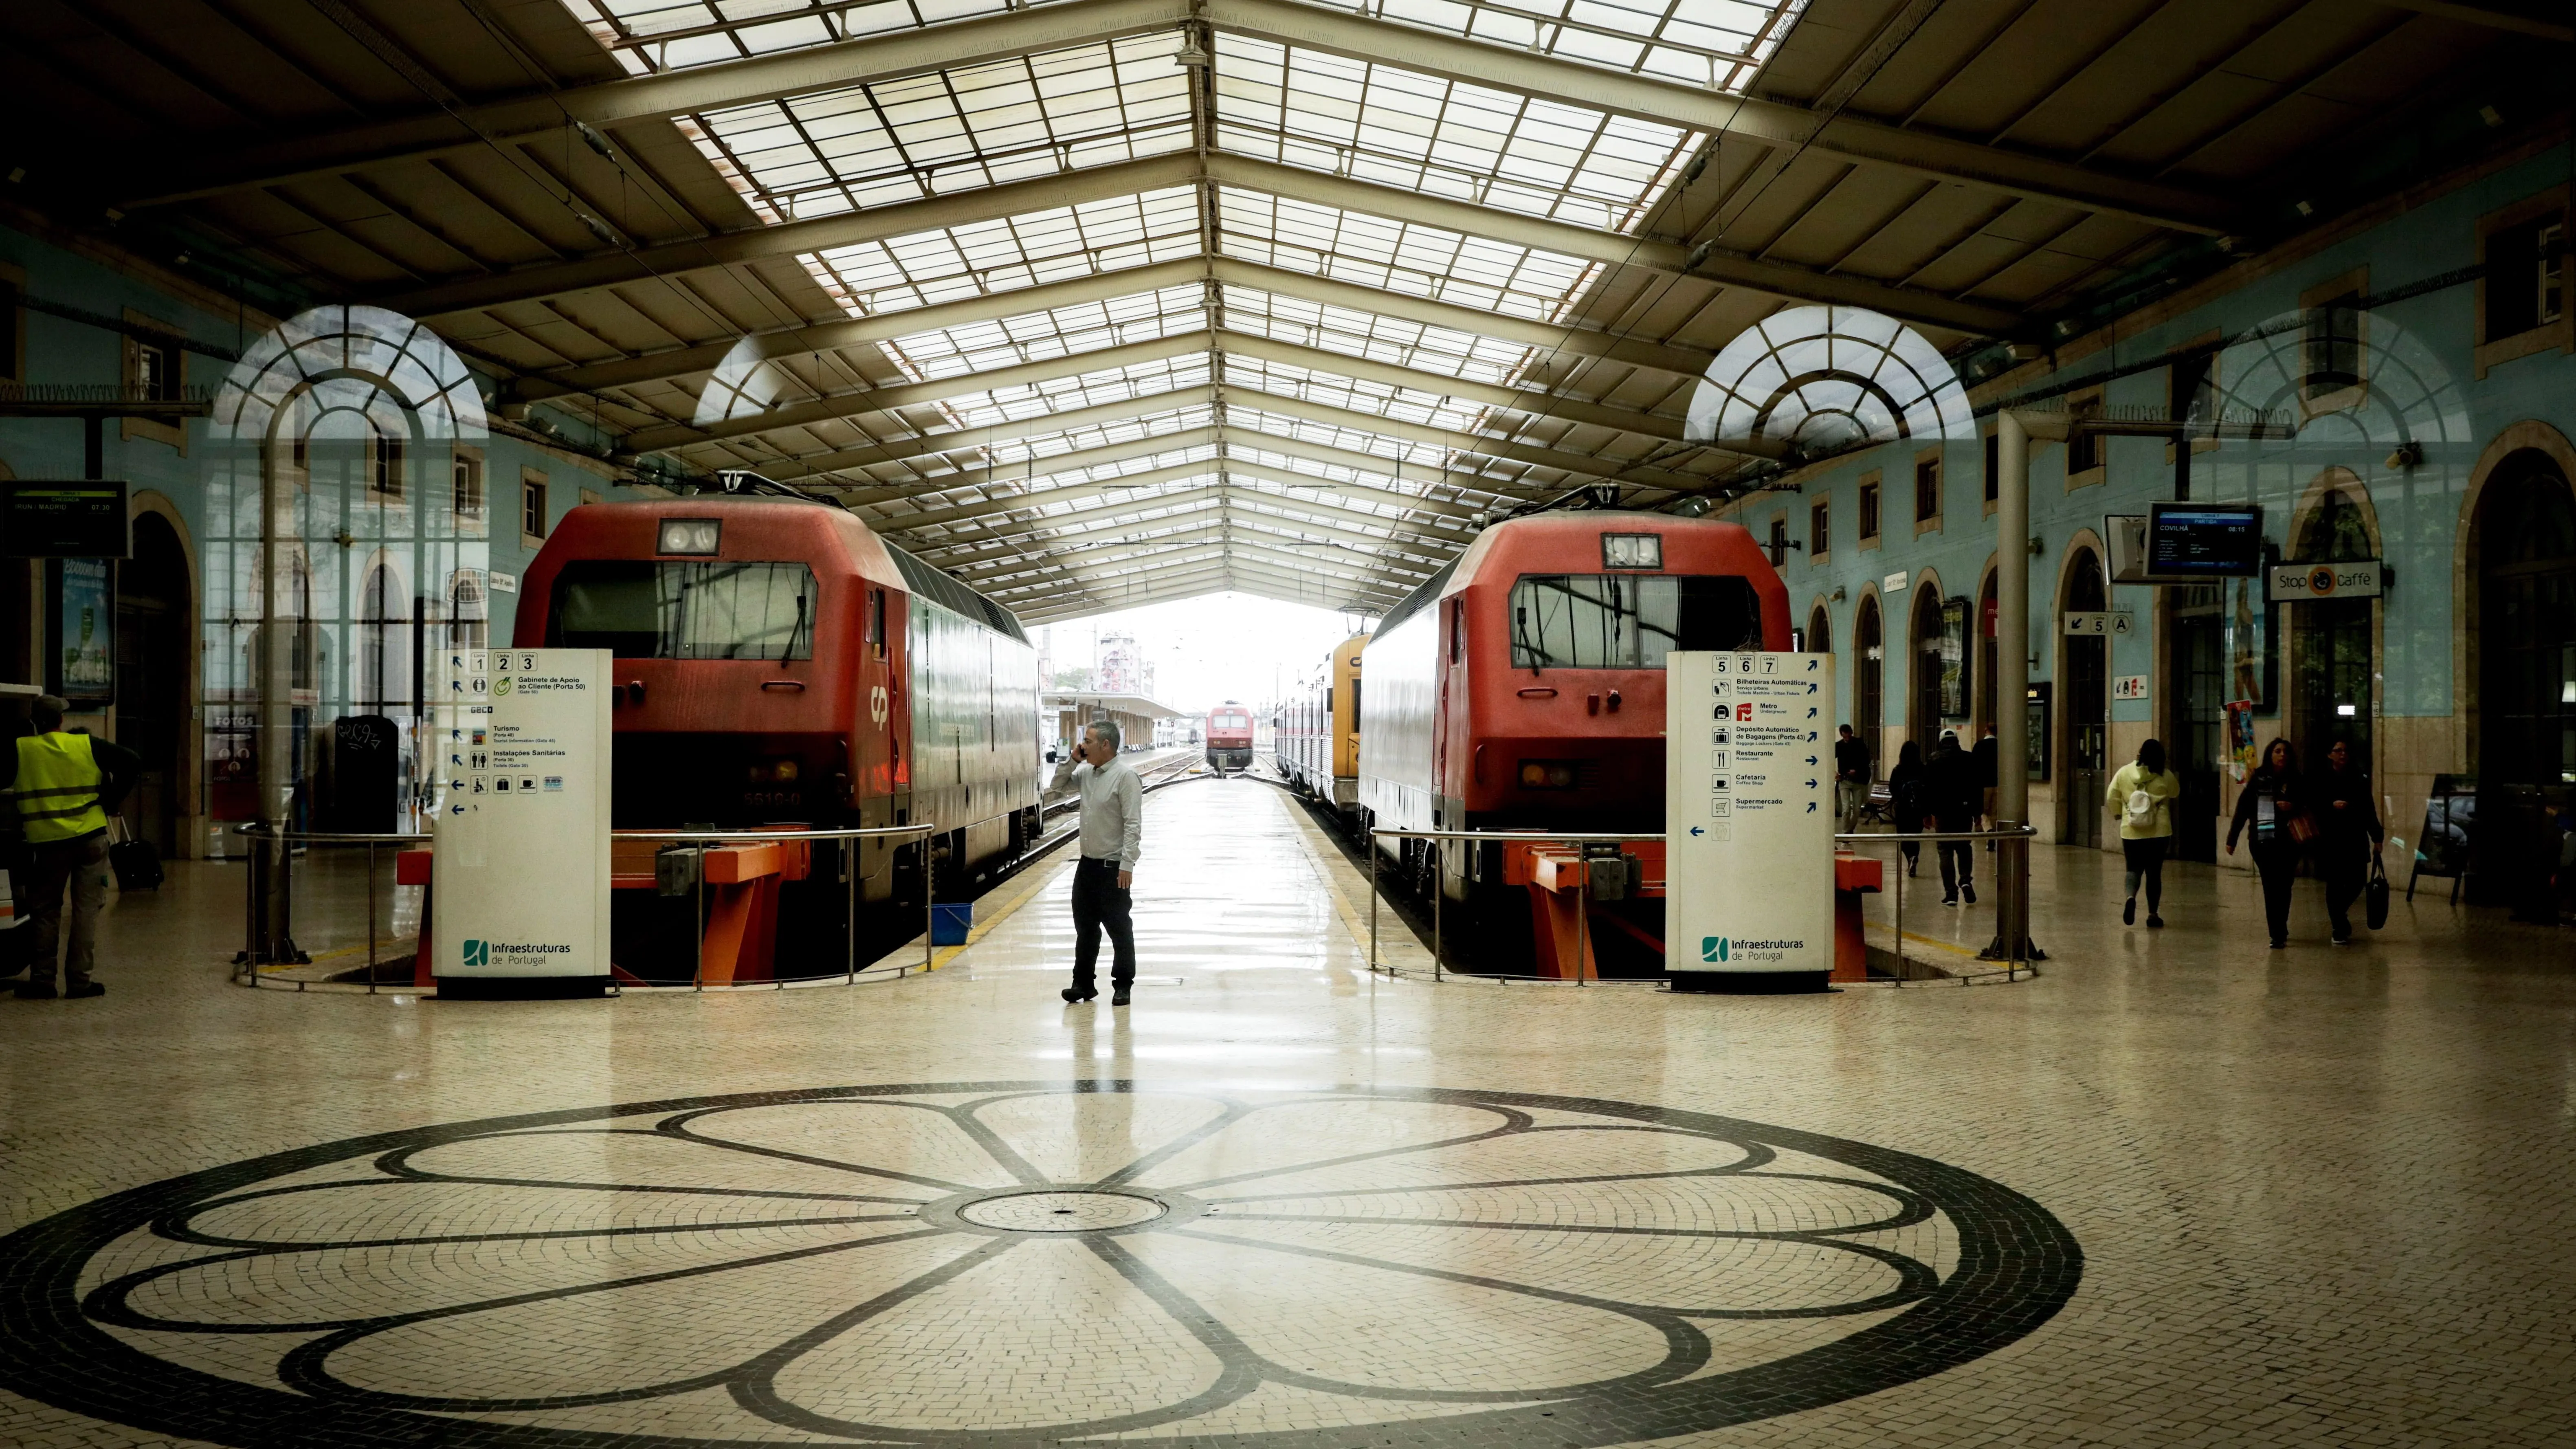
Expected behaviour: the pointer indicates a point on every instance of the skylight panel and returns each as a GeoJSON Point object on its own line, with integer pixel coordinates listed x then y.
{"type": "Point", "coordinates": [1057, 332]}
{"type": "Point", "coordinates": [956, 130]}
{"type": "Point", "coordinates": [1384, 339]}
{"type": "Point", "coordinates": [1715, 43]}
{"type": "Point", "coordinates": [985, 257]}
{"type": "Point", "coordinates": [1399, 256]}
{"type": "Point", "coordinates": [1036, 399]}
{"type": "Point", "coordinates": [1401, 404]}
{"type": "Point", "coordinates": [1399, 128]}
{"type": "Point", "coordinates": [656, 35]}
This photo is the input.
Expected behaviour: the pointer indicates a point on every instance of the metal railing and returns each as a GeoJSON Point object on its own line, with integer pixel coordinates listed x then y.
{"type": "Point", "coordinates": [249, 973]}
{"type": "Point", "coordinates": [2011, 947]}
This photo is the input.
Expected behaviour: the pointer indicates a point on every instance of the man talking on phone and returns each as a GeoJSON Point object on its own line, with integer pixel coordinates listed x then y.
{"type": "Point", "coordinates": [1113, 833]}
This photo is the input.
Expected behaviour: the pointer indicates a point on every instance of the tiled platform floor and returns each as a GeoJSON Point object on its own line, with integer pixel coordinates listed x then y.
{"type": "Point", "coordinates": [2320, 1196]}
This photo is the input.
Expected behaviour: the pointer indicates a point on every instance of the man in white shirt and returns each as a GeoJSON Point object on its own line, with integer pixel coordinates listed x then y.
{"type": "Point", "coordinates": [1113, 833]}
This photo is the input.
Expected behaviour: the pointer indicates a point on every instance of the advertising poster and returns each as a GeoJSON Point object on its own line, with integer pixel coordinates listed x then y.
{"type": "Point", "coordinates": [1749, 814]}
{"type": "Point", "coordinates": [2240, 739]}
{"type": "Point", "coordinates": [2249, 643]}
{"type": "Point", "coordinates": [84, 628]}
{"type": "Point", "coordinates": [522, 757]}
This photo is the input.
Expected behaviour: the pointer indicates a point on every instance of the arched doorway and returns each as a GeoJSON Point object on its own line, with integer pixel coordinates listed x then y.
{"type": "Point", "coordinates": [1923, 707]}
{"type": "Point", "coordinates": [1982, 630]}
{"type": "Point", "coordinates": [155, 643]}
{"type": "Point", "coordinates": [2086, 702]}
{"type": "Point", "coordinates": [2335, 661]}
{"type": "Point", "coordinates": [2194, 710]}
{"type": "Point", "coordinates": [383, 683]}
{"type": "Point", "coordinates": [1820, 631]}
{"type": "Point", "coordinates": [2527, 628]}
{"type": "Point", "coordinates": [1869, 680]}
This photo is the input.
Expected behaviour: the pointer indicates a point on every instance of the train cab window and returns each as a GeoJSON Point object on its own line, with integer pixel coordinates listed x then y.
{"type": "Point", "coordinates": [1628, 621]}
{"type": "Point", "coordinates": [638, 609]}
{"type": "Point", "coordinates": [877, 623]}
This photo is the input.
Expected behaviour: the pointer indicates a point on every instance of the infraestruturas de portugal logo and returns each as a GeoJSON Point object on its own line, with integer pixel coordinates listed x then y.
{"type": "Point", "coordinates": [479, 952]}
{"type": "Point", "coordinates": [1724, 950]}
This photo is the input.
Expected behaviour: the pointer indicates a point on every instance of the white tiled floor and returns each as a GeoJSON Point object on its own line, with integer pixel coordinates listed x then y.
{"type": "Point", "coordinates": [2178, 1190]}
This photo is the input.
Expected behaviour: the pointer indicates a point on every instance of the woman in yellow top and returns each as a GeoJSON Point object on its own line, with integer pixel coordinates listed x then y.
{"type": "Point", "coordinates": [2142, 795]}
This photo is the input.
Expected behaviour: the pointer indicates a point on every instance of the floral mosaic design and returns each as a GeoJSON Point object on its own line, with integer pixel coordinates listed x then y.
{"type": "Point", "coordinates": [1027, 1263]}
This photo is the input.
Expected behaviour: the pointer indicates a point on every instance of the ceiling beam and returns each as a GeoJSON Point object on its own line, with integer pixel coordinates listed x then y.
{"type": "Point", "coordinates": [1697, 108]}
{"type": "Point", "coordinates": [1778, 279]}
{"type": "Point", "coordinates": [1281, 559]}
{"type": "Point", "coordinates": [907, 523]}
{"type": "Point", "coordinates": [1241, 439]}
{"type": "Point", "coordinates": [1531, 401]}
{"type": "Point", "coordinates": [791, 238]}
{"type": "Point", "coordinates": [1219, 575]}
{"type": "Point", "coordinates": [1033, 471]}
{"type": "Point", "coordinates": [1208, 523]}
{"type": "Point", "coordinates": [681, 362]}
{"type": "Point", "coordinates": [1273, 511]}
{"type": "Point", "coordinates": [607, 104]}
{"type": "Point", "coordinates": [1047, 425]}
{"type": "Point", "coordinates": [1127, 178]}
{"type": "Point", "coordinates": [1545, 457]}
{"type": "Point", "coordinates": [919, 394]}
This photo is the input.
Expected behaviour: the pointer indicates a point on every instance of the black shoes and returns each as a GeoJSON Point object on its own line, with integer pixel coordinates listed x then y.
{"type": "Point", "coordinates": [1969, 891]}
{"type": "Point", "coordinates": [35, 991]}
{"type": "Point", "coordinates": [1949, 900]}
{"type": "Point", "coordinates": [83, 991]}
{"type": "Point", "coordinates": [1080, 994]}
{"type": "Point", "coordinates": [2129, 911]}
{"type": "Point", "coordinates": [1118, 997]}
{"type": "Point", "coordinates": [2155, 920]}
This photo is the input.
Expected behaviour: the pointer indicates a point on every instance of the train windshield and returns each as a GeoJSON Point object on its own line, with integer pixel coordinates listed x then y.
{"type": "Point", "coordinates": [1628, 621]}
{"type": "Point", "coordinates": [639, 609]}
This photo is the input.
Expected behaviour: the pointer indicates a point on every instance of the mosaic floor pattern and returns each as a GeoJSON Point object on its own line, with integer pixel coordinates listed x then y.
{"type": "Point", "coordinates": [1029, 1263]}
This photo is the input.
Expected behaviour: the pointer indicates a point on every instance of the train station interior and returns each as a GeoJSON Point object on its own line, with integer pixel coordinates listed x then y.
{"type": "Point", "coordinates": [581, 591]}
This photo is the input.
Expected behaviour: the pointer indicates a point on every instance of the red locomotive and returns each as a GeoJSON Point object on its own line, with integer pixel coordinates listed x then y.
{"type": "Point", "coordinates": [1229, 737]}
{"type": "Point", "coordinates": [1522, 688]}
{"type": "Point", "coordinates": [777, 664]}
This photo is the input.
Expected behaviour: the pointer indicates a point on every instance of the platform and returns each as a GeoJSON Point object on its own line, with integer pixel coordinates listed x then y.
{"type": "Point", "coordinates": [2179, 1189]}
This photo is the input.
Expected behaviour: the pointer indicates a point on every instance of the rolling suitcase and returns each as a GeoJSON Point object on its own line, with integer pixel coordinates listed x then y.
{"type": "Point", "coordinates": [137, 863]}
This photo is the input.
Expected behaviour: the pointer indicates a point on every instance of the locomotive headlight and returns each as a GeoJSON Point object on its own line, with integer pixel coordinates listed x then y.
{"type": "Point", "coordinates": [1547, 775]}
{"type": "Point", "coordinates": [783, 771]}
{"type": "Point", "coordinates": [693, 536]}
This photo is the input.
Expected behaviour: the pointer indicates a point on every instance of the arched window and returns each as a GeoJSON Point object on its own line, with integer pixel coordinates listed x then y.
{"type": "Point", "coordinates": [384, 643]}
{"type": "Point", "coordinates": [467, 613]}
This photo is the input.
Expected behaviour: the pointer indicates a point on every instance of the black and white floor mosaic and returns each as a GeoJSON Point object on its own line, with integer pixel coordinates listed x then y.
{"type": "Point", "coordinates": [1028, 1263]}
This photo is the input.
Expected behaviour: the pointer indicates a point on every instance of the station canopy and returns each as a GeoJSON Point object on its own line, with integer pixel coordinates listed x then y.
{"type": "Point", "coordinates": [1101, 302]}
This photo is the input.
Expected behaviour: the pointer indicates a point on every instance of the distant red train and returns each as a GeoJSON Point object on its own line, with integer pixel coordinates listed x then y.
{"type": "Point", "coordinates": [1229, 737]}
{"type": "Point", "coordinates": [778, 664]}
{"type": "Point", "coordinates": [1522, 686]}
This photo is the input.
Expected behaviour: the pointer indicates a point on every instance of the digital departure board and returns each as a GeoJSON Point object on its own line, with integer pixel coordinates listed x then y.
{"type": "Point", "coordinates": [2204, 540]}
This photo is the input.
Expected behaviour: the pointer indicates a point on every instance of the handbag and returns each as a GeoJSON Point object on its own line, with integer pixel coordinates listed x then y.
{"type": "Point", "coordinates": [2374, 897]}
{"type": "Point", "coordinates": [2300, 826]}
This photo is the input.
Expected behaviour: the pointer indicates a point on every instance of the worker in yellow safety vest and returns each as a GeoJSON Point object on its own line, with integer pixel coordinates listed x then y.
{"type": "Point", "coordinates": [62, 786]}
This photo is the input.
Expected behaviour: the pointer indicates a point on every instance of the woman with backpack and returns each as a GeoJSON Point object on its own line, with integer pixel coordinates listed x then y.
{"type": "Point", "coordinates": [1906, 799]}
{"type": "Point", "coordinates": [2274, 805]}
{"type": "Point", "coordinates": [2142, 793]}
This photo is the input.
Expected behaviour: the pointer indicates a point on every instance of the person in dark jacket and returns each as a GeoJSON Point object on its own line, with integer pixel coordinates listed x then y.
{"type": "Point", "coordinates": [2273, 805]}
{"type": "Point", "coordinates": [1851, 778]}
{"type": "Point", "coordinates": [64, 786]}
{"type": "Point", "coordinates": [1908, 799]}
{"type": "Point", "coordinates": [2348, 835]}
{"type": "Point", "coordinates": [1988, 754]}
{"type": "Point", "coordinates": [1951, 777]}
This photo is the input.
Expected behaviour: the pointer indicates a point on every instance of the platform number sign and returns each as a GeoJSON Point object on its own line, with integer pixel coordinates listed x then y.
{"type": "Point", "coordinates": [1749, 814]}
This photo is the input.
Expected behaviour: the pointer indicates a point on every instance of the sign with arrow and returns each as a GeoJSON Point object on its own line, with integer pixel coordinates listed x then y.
{"type": "Point", "coordinates": [1749, 853]}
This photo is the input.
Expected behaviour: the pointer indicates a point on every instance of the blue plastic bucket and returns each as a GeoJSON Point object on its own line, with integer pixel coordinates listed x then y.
{"type": "Point", "coordinates": [950, 923]}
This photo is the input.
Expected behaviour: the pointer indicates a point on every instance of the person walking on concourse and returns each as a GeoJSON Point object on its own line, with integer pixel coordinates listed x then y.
{"type": "Point", "coordinates": [2274, 804]}
{"type": "Point", "coordinates": [1908, 795]}
{"type": "Point", "coordinates": [65, 785]}
{"type": "Point", "coordinates": [2143, 792]}
{"type": "Point", "coordinates": [2348, 835]}
{"type": "Point", "coordinates": [1952, 781]}
{"type": "Point", "coordinates": [1851, 777]}
{"type": "Point", "coordinates": [1113, 834]}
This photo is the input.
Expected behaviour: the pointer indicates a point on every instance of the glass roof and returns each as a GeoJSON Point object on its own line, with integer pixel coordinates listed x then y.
{"type": "Point", "coordinates": [1400, 404]}
{"type": "Point", "coordinates": [1029, 400]}
{"type": "Point", "coordinates": [1368, 334]}
{"type": "Point", "coordinates": [1397, 128]}
{"type": "Point", "coordinates": [928, 135]}
{"type": "Point", "coordinates": [981, 346]}
{"type": "Point", "coordinates": [1398, 256]}
{"type": "Point", "coordinates": [1054, 245]}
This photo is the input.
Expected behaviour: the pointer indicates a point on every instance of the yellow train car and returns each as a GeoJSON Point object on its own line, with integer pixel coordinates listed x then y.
{"type": "Point", "coordinates": [1317, 740]}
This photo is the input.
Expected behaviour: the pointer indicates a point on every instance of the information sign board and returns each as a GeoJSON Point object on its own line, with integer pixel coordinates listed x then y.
{"type": "Point", "coordinates": [520, 900]}
{"type": "Point", "coordinates": [1749, 819]}
{"type": "Point", "coordinates": [57, 518]}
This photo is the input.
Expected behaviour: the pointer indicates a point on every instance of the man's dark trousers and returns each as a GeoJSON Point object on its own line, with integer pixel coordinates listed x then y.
{"type": "Point", "coordinates": [1099, 901]}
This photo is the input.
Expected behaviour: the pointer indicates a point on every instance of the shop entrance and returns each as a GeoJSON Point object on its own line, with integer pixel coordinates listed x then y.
{"type": "Point", "coordinates": [2527, 629]}
{"type": "Point", "coordinates": [2333, 693]}
{"type": "Point", "coordinates": [154, 643]}
{"type": "Point", "coordinates": [2087, 704]}
{"type": "Point", "coordinates": [1869, 681]}
{"type": "Point", "coordinates": [2196, 686]}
